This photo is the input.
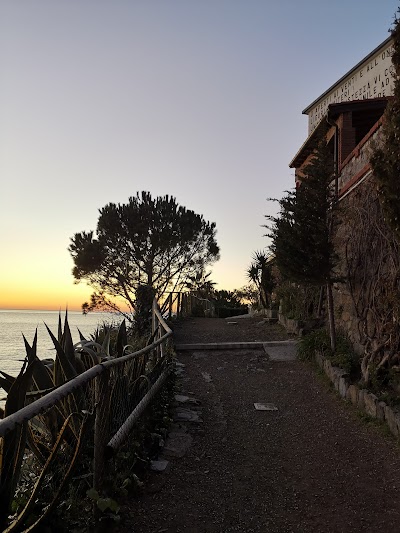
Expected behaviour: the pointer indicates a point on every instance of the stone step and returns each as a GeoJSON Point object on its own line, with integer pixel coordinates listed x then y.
{"type": "Point", "coordinates": [232, 345]}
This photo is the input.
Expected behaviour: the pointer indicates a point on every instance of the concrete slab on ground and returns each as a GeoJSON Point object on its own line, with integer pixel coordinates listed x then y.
{"type": "Point", "coordinates": [281, 352]}
{"type": "Point", "coordinates": [268, 346]}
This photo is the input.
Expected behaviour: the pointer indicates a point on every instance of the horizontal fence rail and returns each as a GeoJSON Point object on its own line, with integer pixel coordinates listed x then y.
{"type": "Point", "coordinates": [127, 426]}
{"type": "Point", "coordinates": [99, 406]}
{"type": "Point", "coordinates": [38, 406]}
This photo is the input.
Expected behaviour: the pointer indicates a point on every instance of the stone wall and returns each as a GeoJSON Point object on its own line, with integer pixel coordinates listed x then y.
{"type": "Point", "coordinates": [361, 398]}
{"type": "Point", "coordinates": [356, 182]}
{"type": "Point", "coordinates": [366, 292]}
{"type": "Point", "coordinates": [345, 312]}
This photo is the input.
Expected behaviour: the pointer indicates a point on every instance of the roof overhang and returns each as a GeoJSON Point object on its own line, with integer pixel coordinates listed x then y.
{"type": "Point", "coordinates": [309, 145]}
{"type": "Point", "coordinates": [334, 110]}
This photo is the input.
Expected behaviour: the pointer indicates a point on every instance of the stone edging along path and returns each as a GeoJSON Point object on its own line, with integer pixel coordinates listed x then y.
{"type": "Point", "coordinates": [361, 398]}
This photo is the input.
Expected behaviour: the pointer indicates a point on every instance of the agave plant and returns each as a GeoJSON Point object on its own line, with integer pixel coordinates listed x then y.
{"type": "Point", "coordinates": [52, 441]}
{"type": "Point", "coordinates": [12, 445]}
{"type": "Point", "coordinates": [59, 429]}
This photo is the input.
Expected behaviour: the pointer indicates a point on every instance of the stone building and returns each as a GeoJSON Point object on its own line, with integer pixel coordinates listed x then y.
{"type": "Point", "coordinates": [350, 114]}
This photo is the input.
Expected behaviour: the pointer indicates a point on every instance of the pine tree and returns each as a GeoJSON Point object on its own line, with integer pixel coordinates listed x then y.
{"type": "Point", "coordinates": [301, 233]}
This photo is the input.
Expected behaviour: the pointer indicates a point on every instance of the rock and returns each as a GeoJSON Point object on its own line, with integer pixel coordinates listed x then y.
{"type": "Point", "coordinates": [207, 377]}
{"type": "Point", "coordinates": [328, 368]}
{"type": "Point", "coordinates": [352, 394]}
{"type": "Point", "coordinates": [337, 375]}
{"type": "Point", "coordinates": [177, 445]}
{"type": "Point", "coordinates": [397, 418]}
{"type": "Point", "coordinates": [361, 395]}
{"type": "Point", "coordinates": [181, 399]}
{"type": "Point", "coordinates": [343, 386]}
{"type": "Point", "coordinates": [380, 410]}
{"type": "Point", "coordinates": [370, 401]}
{"type": "Point", "coordinates": [159, 466]}
{"type": "Point", "coordinates": [186, 415]}
{"type": "Point", "coordinates": [391, 420]}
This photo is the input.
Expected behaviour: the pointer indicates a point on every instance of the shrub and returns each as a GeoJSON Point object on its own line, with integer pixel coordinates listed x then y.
{"type": "Point", "coordinates": [319, 342]}
{"type": "Point", "coordinates": [299, 302]}
{"type": "Point", "coordinates": [316, 342]}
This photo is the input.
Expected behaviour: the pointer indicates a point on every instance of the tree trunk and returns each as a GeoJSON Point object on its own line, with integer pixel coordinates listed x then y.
{"type": "Point", "coordinates": [331, 315]}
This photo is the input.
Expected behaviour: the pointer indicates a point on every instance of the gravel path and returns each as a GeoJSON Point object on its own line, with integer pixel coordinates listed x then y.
{"type": "Point", "coordinates": [310, 466]}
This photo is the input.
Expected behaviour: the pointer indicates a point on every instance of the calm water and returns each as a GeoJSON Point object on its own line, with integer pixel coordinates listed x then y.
{"type": "Point", "coordinates": [15, 323]}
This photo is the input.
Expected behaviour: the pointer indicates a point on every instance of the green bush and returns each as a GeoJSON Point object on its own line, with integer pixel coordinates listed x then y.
{"type": "Point", "coordinates": [298, 302]}
{"type": "Point", "coordinates": [316, 341]}
{"type": "Point", "coordinates": [319, 342]}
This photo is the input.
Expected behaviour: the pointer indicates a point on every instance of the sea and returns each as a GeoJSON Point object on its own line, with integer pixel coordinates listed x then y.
{"type": "Point", "coordinates": [15, 324]}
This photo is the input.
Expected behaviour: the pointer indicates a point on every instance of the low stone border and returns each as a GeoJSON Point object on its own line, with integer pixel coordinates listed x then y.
{"type": "Point", "coordinates": [361, 398]}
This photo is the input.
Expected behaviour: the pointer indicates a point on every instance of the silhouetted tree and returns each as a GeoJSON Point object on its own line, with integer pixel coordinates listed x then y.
{"type": "Point", "coordinates": [200, 284]}
{"type": "Point", "coordinates": [301, 233]}
{"type": "Point", "coordinates": [148, 241]}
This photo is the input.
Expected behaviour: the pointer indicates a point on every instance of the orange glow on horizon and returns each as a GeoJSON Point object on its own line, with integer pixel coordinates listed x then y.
{"type": "Point", "coordinates": [43, 297]}
{"type": "Point", "coordinates": [46, 297]}
{"type": "Point", "coordinates": [55, 290]}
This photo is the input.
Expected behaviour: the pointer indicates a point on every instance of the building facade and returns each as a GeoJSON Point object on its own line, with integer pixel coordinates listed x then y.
{"type": "Point", "coordinates": [350, 114]}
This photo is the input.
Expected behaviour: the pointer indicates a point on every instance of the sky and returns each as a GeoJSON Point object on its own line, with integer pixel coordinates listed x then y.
{"type": "Point", "coordinates": [198, 99]}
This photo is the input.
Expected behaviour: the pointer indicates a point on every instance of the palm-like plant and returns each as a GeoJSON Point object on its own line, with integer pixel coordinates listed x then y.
{"type": "Point", "coordinates": [260, 273]}
{"type": "Point", "coordinates": [201, 284]}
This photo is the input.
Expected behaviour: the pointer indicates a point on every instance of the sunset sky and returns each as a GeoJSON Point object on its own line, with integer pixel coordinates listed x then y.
{"type": "Point", "coordinates": [198, 99]}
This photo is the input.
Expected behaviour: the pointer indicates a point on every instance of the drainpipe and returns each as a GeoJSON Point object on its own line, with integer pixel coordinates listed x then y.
{"type": "Point", "coordinates": [335, 156]}
{"type": "Point", "coordinates": [329, 295]}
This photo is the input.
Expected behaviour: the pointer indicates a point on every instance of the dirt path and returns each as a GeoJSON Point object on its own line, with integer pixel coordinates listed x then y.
{"type": "Point", "coordinates": [310, 466]}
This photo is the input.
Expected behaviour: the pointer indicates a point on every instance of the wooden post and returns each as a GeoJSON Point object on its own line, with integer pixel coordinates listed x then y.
{"type": "Point", "coordinates": [170, 306]}
{"type": "Point", "coordinates": [178, 306]}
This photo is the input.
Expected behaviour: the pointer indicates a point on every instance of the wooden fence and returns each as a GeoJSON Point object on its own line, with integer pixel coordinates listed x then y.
{"type": "Point", "coordinates": [96, 411]}
{"type": "Point", "coordinates": [182, 304]}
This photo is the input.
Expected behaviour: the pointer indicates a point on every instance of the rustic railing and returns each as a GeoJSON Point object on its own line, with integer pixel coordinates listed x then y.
{"type": "Point", "coordinates": [182, 304]}
{"type": "Point", "coordinates": [101, 406]}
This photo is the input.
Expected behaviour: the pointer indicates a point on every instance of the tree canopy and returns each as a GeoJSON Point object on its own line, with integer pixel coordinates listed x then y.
{"type": "Point", "coordinates": [301, 232]}
{"type": "Point", "coordinates": [148, 241]}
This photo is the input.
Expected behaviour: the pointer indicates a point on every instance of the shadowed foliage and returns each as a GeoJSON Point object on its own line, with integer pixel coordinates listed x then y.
{"type": "Point", "coordinates": [148, 241]}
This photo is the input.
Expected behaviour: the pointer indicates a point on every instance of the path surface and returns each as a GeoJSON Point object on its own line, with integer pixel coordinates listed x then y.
{"type": "Point", "coordinates": [310, 466]}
